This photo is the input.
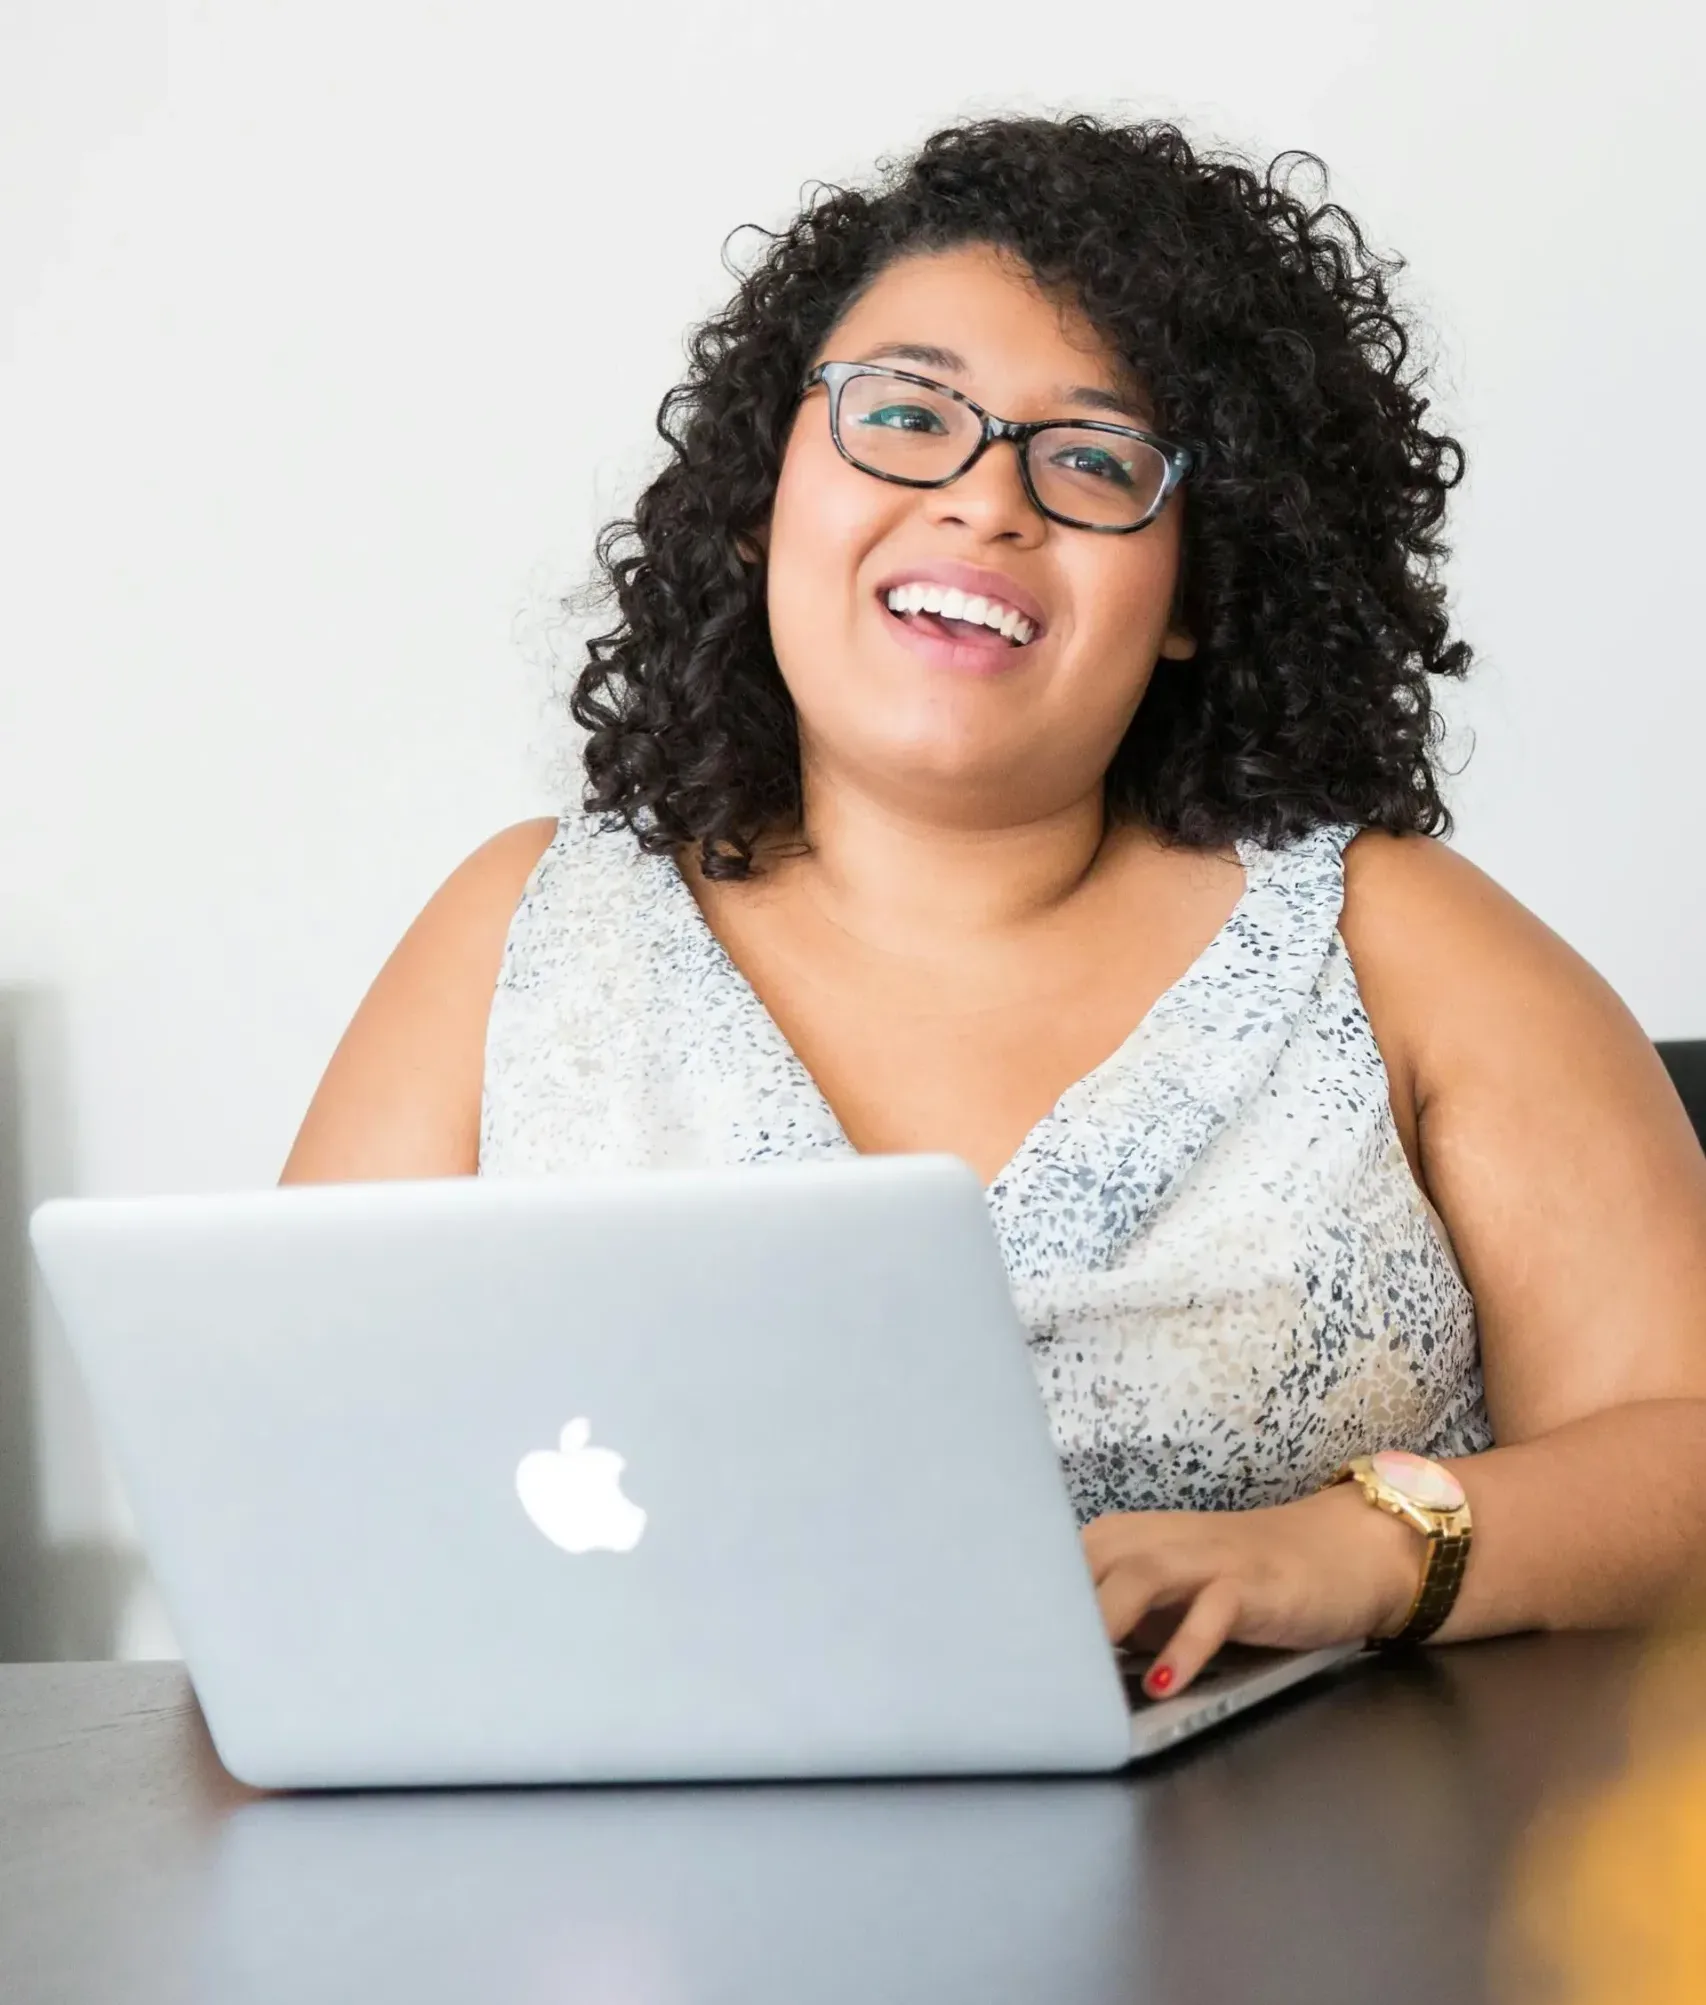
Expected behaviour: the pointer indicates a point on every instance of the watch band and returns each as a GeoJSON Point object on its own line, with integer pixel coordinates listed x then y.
{"type": "Point", "coordinates": [1448, 1533]}
{"type": "Point", "coordinates": [1442, 1576]}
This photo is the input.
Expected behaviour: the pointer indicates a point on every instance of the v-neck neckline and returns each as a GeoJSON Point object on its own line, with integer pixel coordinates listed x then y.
{"type": "Point", "coordinates": [696, 929]}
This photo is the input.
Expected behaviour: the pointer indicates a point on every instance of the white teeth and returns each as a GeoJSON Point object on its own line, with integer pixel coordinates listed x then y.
{"type": "Point", "coordinates": [954, 605]}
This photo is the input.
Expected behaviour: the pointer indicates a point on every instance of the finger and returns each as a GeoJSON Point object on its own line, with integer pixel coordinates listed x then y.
{"type": "Point", "coordinates": [1207, 1624]}
{"type": "Point", "coordinates": [1155, 1626]}
{"type": "Point", "coordinates": [1105, 1539]}
{"type": "Point", "coordinates": [1131, 1591]}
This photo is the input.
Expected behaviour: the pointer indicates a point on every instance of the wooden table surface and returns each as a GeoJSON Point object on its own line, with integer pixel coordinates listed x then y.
{"type": "Point", "coordinates": [1351, 1842]}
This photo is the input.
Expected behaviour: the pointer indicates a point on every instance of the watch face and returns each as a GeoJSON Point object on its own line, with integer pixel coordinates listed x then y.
{"type": "Point", "coordinates": [1422, 1481]}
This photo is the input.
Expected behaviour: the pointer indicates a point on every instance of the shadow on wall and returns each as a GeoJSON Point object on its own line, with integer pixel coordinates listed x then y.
{"type": "Point", "coordinates": [59, 1597]}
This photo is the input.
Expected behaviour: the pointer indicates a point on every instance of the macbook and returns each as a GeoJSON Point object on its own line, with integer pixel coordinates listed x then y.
{"type": "Point", "coordinates": [658, 1476]}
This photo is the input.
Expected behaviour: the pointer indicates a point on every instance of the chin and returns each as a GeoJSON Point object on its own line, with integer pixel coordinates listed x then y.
{"type": "Point", "coordinates": [945, 740]}
{"type": "Point", "coordinates": [951, 782]}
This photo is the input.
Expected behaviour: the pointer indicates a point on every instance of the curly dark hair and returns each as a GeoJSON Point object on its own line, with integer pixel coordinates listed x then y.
{"type": "Point", "coordinates": [1260, 326]}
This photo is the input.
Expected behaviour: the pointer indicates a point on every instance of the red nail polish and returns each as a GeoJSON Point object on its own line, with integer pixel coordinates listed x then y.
{"type": "Point", "coordinates": [1161, 1677]}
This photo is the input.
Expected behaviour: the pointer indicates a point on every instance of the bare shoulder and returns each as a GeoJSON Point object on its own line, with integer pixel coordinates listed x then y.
{"type": "Point", "coordinates": [1455, 970]}
{"type": "Point", "coordinates": [1550, 1137]}
{"type": "Point", "coordinates": [1419, 879]}
{"type": "Point", "coordinates": [401, 1094]}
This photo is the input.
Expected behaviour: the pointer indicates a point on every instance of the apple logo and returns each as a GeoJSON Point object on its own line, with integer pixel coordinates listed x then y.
{"type": "Point", "coordinates": [573, 1493]}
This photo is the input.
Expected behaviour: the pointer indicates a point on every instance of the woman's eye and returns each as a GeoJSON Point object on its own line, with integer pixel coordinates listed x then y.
{"type": "Point", "coordinates": [904, 418]}
{"type": "Point", "coordinates": [1094, 460]}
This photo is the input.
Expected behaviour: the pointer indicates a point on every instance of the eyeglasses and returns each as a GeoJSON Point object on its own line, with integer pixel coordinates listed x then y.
{"type": "Point", "coordinates": [919, 433]}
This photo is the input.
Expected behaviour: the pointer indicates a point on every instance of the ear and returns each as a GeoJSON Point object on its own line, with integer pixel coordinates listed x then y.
{"type": "Point", "coordinates": [1179, 644]}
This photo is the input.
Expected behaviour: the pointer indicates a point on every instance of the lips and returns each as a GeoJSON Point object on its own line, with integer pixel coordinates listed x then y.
{"type": "Point", "coordinates": [954, 645]}
{"type": "Point", "coordinates": [940, 577]}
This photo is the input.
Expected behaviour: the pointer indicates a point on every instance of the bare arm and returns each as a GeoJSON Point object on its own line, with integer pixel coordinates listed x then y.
{"type": "Point", "coordinates": [401, 1095]}
{"type": "Point", "coordinates": [1575, 1192]}
{"type": "Point", "coordinates": [1548, 1135]}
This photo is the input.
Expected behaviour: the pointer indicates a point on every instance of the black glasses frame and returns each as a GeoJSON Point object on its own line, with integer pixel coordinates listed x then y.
{"type": "Point", "coordinates": [1182, 460]}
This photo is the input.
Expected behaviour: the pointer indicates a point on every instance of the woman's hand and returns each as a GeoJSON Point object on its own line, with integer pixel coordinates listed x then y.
{"type": "Point", "coordinates": [1327, 1569]}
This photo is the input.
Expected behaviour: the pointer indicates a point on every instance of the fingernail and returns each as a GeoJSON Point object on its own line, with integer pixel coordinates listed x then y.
{"type": "Point", "coordinates": [1160, 1678]}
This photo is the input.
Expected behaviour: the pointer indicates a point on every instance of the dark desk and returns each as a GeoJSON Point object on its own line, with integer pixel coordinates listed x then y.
{"type": "Point", "coordinates": [1347, 1843]}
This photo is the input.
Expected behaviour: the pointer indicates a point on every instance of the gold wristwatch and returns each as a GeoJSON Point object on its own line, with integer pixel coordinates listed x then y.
{"type": "Point", "coordinates": [1429, 1497]}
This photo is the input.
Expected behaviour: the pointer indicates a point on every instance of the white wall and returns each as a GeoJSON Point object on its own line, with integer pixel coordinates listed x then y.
{"type": "Point", "coordinates": [333, 327]}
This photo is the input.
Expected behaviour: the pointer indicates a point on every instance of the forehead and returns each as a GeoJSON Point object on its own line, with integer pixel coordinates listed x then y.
{"type": "Point", "coordinates": [984, 307]}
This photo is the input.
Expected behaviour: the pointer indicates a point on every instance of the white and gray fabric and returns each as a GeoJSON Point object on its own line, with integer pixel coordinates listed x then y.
{"type": "Point", "coordinates": [1230, 1277]}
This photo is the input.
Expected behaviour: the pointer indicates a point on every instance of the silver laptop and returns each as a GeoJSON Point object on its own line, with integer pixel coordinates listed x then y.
{"type": "Point", "coordinates": [668, 1475]}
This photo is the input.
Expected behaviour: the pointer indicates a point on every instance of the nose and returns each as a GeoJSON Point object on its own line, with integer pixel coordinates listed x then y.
{"type": "Point", "coordinates": [989, 499]}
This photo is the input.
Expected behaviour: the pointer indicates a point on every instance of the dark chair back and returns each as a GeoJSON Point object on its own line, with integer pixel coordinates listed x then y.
{"type": "Point", "coordinates": [1685, 1060]}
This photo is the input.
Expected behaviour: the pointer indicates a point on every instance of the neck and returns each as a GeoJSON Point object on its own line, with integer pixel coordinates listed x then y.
{"type": "Point", "coordinates": [907, 885]}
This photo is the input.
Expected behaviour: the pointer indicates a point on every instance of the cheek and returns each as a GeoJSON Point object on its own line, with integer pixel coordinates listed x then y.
{"type": "Point", "coordinates": [825, 518]}
{"type": "Point", "coordinates": [1123, 598]}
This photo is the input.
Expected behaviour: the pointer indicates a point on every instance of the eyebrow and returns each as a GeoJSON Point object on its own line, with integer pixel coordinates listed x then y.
{"type": "Point", "coordinates": [928, 356]}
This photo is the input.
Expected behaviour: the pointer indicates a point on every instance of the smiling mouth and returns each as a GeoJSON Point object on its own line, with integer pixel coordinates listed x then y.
{"type": "Point", "coordinates": [960, 616]}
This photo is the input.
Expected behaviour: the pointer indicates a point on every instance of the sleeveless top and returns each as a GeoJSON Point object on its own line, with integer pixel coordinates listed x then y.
{"type": "Point", "coordinates": [1231, 1280]}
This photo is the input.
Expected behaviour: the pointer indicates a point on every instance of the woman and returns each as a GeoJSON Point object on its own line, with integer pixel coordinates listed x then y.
{"type": "Point", "coordinates": [1055, 788]}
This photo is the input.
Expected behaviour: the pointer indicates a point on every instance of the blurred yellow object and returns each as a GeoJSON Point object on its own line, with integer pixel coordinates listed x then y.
{"type": "Point", "coordinates": [1609, 1897]}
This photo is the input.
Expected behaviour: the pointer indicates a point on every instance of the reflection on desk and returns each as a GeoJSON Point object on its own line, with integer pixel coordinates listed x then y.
{"type": "Point", "coordinates": [894, 1893]}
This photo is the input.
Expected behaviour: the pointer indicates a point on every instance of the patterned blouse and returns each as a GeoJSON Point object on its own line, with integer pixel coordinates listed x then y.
{"type": "Point", "coordinates": [1230, 1277]}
